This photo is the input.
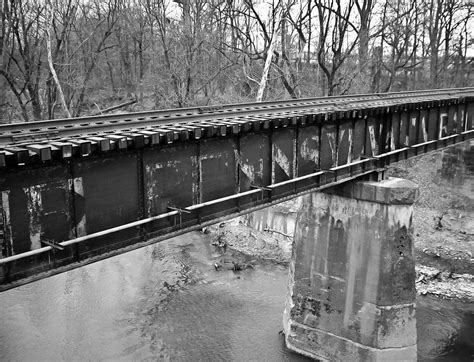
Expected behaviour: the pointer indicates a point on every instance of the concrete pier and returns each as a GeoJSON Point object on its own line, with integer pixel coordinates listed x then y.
{"type": "Point", "coordinates": [351, 293]}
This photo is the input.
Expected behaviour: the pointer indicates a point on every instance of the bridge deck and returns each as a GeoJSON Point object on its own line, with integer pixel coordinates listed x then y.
{"type": "Point", "coordinates": [43, 141]}
{"type": "Point", "coordinates": [78, 190]}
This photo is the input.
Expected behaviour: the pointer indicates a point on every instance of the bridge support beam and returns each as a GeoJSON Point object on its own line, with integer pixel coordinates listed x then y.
{"type": "Point", "coordinates": [351, 293]}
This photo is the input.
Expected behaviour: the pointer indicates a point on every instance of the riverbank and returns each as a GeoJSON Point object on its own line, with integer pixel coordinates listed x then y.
{"type": "Point", "coordinates": [443, 220]}
{"type": "Point", "coordinates": [434, 280]}
{"type": "Point", "coordinates": [443, 223]}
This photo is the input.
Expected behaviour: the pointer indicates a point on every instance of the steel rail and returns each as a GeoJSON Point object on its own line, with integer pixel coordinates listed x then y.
{"type": "Point", "coordinates": [80, 125]}
{"type": "Point", "coordinates": [231, 108]}
{"type": "Point", "coordinates": [18, 148]}
{"type": "Point", "coordinates": [197, 122]}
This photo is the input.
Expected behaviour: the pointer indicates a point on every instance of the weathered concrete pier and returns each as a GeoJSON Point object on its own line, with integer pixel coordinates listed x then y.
{"type": "Point", "coordinates": [351, 293]}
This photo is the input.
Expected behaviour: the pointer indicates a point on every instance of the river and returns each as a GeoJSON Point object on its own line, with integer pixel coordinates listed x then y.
{"type": "Point", "coordinates": [163, 301]}
{"type": "Point", "coordinates": [166, 302]}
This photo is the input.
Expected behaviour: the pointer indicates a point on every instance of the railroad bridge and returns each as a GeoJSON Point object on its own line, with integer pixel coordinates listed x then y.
{"type": "Point", "coordinates": [74, 191]}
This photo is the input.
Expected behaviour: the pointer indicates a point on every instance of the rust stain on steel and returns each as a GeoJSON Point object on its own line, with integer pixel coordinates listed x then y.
{"type": "Point", "coordinates": [470, 116]}
{"type": "Point", "coordinates": [80, 228]}
{"type": "Point", "coordinates": [283, 148]}
{"type": "Point", "coordinates": [372, 147]}
{"type": "Point", "coordinates": [403, 136]}
{"type": "Point", "coordinates": [309, 150]}
{"type": "Point", "coordinates": [452, 120]}
{"type": "Point", "coordinates": [461, 122]}
{"type": "Point", "coordinates": [412, 132]}
{"type": "Point", "coordinates": [388, 136]}
{"type": "Point", "coordinates": [391, 135]}
{"type": "Point", "coordinates": [110, 191]}
{"type": "Point", "coordinates": [328, 146]}
{"type": "Point", "coordinates": [281, 160]}
{"type": "Point", "coordinates": [308, 154]}
{"type": "Point", "coordinates": [6, 219]}
{"type": "Point", "coordinates": [48, 210]}
{"type": "Point", "coordinates": [423, 126]}
{"type": "Point", "coordinates": [455, 121]}
{"type": "Point", "coordinates": [253, 159]}
{"type": "Point", "coordinates": [248, 169]}
{"type": "Point", "coordinates": [56, 203]}
{"type": "Point", "coordinates": [169, 178]}
{"type": "Point", "coordinates": [345, 144]}
{"type": "Point", "coordinates": [34, 209]}
{"type": "Point", "coordinates": [358, 140]}
{"type": "Point", "coordinates": [432, 124]}
{"type": "Point", "coordinates": [217, 169]}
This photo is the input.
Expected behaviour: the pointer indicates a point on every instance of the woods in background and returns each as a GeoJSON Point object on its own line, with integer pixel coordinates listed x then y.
{"type": "Point", "coordinates": [61, 58]}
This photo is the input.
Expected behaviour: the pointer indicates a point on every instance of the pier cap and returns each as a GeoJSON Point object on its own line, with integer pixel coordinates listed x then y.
{"type": "Point", "coordinates": [392, 191]}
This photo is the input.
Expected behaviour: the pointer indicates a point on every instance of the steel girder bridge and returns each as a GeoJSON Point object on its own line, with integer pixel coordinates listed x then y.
{"type": "Point", "coordinates": [74, 191]}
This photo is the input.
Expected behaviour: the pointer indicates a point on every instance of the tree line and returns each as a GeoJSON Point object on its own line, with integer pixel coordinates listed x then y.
{"type": "Point", "coordinates": [63, 58]}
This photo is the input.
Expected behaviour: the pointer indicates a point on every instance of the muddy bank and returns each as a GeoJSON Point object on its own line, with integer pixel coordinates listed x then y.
{"type": "Point", "coordinates": [237, 235]}
{"type": "Point", "coordinates": [444, 213]}
{"type": "Point", "coordinates": [443, 220]}
{"type": "Point", "coordinates": [244, 244]}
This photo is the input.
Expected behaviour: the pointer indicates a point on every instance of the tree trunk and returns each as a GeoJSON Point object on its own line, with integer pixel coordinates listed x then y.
{"type": "Point", "coordinates": [364, 53]}
{"type": "Point", "coordinates": [266, 68]}
{"type": "Point", "coordinates": [51, 65]}
{"type": "Point", "coordinates": [433, 46]}
{"type": "Point", "coordinates": [3, 100]}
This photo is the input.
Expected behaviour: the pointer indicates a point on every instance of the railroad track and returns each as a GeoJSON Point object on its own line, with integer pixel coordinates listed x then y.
{"type": "Point", "coordinates": [23, 143]}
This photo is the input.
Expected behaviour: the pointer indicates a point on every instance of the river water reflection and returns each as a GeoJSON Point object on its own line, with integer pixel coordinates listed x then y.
{"type": "Point", "coordinates": [166, 302]}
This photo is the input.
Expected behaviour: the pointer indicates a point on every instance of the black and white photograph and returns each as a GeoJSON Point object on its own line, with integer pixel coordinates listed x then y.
{"type": "Point", "coordinates": [237, 180]}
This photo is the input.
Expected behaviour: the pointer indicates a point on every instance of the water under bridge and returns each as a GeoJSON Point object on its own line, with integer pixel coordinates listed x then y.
{"type": "Point", "coordinates": [74, 191]}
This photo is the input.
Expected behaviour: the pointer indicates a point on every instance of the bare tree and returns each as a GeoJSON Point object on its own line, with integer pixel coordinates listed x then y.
{"type": "Point", "coordinates": [334, 46]}
{"type": "Point", "coordinates": [93, 31]}
{"type": "Point", "coordinates": [270, 50]}
{"type": "Point", "coordinates": [72, 55]}
{"type": "Point", "coordinates": [22, 51]}
{"type": "Point", "coordinates": [52, 5]}
{"type": "Point", "coordinates": [3, 39]}
{"type": "Point", "coordinates": [364, 9]}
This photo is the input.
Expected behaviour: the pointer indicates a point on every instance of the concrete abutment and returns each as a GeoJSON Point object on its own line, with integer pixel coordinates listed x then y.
{"type": "Point", "coordinates": [351, 293]}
